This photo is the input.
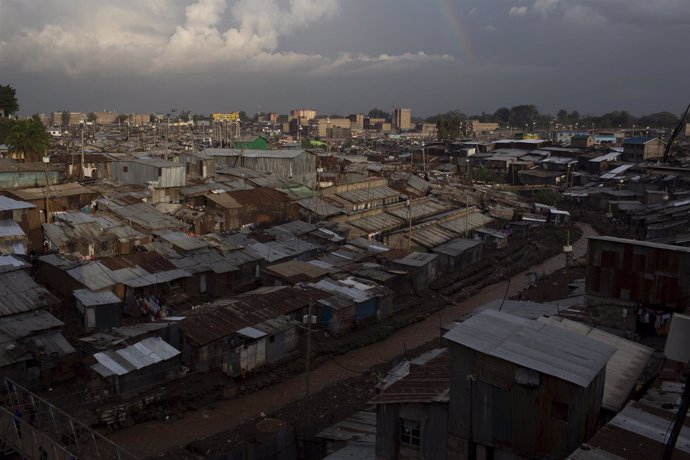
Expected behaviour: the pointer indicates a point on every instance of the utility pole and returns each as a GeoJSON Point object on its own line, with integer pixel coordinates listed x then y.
{"type": "Point", "coordinates": [306, 424]}
{"type": "Point", "coordinates": [409, 230]}
{"type": "Point", "coordinates": [81, 172]}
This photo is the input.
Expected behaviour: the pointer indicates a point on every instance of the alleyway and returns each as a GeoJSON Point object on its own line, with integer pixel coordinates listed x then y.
{"type": "Point", "coordinates": [154, 438]}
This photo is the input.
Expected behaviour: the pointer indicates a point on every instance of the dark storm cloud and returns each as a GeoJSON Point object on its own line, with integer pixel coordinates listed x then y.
{"type": "Point", "coordinates": [342, 56]}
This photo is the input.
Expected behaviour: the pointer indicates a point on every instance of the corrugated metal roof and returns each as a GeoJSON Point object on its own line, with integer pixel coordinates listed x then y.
{"type": "Point", "coordinates": [638, 140]}
{"type": "Point", "coordinates": [377, 223]}
{"type": "Point", "coordinates": [424, 380]}
{"type": "Point", "coordinates": [638, 432]}
{"type": "Point", "coordinates": [9, 228]}
{"type": "Point", "coordinates": [251, 333]}
{"type": "Point", "coordinates": [55, 190]}
{"type": "Point", "coordinates": [146, 216]}
{"type": "Point", "coordinates": [19, 293]}
{"type": "Point", "coordinates": [8, 204]}
{"type": "Point", "coordinates": [225, 317]}
{"type": "Point", "coordinates": [52, 342]}
{"type": "Point", "coordinates": [624, 367]}
{"type": "Point", "coordinates": [367, 195]}
{"type": "Point", "coordinates": [432, 236]}
{"type": "Point", "coordinates": [26, 324]}
{"type": "Point", "coordinates": [456, 246]}
{"type": "Point", "coordinates": [419, 209]}
{"type": "Point", "coordinates": [181, 240]}
{"type": "Point", "coordinates": [359, 431]}
{"type": "Point", "coordinates": [9, 263]}
{"type": "Point", "coordinates": [90, 298]}
{"type": "Point", "coordinates": [534, 345]}
{"type": "Point", "coordinates": [647, 244]}
{"type": "Point", "coordinates": [461, 223]}
{"type": "Point", "coordinates": [206, 261]}
{"type": "Point", "coordinates": [149, 351]}
{"type": "Point", "coordinates": [258, 196]}
{"type": "Point", "coordinates": [288, 154]}
{"type": "Point", "coordinates": [224, 200]}
{"type": "Point", "coordinates": [296, 271]}
{"type": "Point", "coordinates": [320, 207]}
{"type": "Point", "coordinates": [352, 288]}
{"type": "Point", "coordinates": [292, 229]}
{"type": "Point", "coordinates": [417, 259]}
{"type": "Point", "coordinates": [152, 279]}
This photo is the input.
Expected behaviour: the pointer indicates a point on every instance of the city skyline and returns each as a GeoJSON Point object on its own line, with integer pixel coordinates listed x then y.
{"type": "Point", "coordinates": [345, 57]}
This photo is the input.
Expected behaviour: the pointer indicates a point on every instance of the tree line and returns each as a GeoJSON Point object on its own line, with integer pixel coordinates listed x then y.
{"type": "Point", "coordinates": [527, 117]}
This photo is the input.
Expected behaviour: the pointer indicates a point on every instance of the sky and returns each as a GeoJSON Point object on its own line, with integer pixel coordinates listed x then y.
{"type": "Point", "coordinates": [346, 56]}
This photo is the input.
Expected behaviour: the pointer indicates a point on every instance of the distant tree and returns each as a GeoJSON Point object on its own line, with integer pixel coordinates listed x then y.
{"type": "Point", "coordinates": [28, 138]}
{"type": "Point", "coordinates": [523, 115]}
{"type": "Point", "coordinates": [8, 100]}
{"type": "Point", "coordinates": [562, 115]}
{"type": "Point", "coordinates": [450, 125]}
{"type": "Point", "coordinates": [91, 117]}
{"type": "Point", "coordinates": [378, 113]}
{"type": "Point", "coordinates": [244, 116]}
{"type": "Point", "coordinates": [5, 127]}
{"type": "Point", "coordinates": [64, 118]}
{"type": "Point", "coordinates": [184, 115]}
{"type": "Point", "coordinates": [121, 118]}
{"type": "Point", "coordinates": [502, 115]}
{"type": "Point", "coordinates": [200, 117]}
{"type": "Point", "coordinates": [659, 120]}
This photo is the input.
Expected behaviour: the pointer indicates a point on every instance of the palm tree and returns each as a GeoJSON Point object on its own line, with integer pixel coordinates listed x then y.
{"type": "Point", "coordinates": [28, 138]}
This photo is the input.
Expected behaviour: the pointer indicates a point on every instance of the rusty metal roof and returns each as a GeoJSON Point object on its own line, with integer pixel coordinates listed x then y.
{"type": "Point", "coordinates": [225, 317]}
{"type": "Point", "coordinates": [152, 262]}
{"type": "Point", "coordinates": [638, 431]}
{"type": "Point", "coordinates": [224, 200]}
{"type": "Point", "coordinates": [422, 380]}
{"type": "Point", "coordinates": [54, 191]}
{"type": "Point", "coordinates": [258, 196]}
{"type": "Point", "coordinates": [19, 293]}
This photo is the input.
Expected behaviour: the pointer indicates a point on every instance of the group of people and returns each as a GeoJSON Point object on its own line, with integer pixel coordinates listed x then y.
{"type": "Point", "coordinates": [651, 322]}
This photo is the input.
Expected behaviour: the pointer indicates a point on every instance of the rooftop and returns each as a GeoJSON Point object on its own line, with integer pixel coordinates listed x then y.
{"type": "Point", "coordinates": [532, 344]}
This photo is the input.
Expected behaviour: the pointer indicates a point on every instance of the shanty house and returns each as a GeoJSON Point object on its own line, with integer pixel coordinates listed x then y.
{"type": "Point", "coordinates": [14, 225]}
{"type": "Point", "coordinates": [33, 349]}
{"type": "Point", "coordinates": [229, 336]}
{"type": "Point", "coordinates": [458, 254]}
{"type": "Point", "coordinates": [624, 274]}
{"type": "Point", "coordinates": [47, 201]}
{"type": "Point", "coordinates": [638, 149]}
{"type": "Point", "coordinates": [412, 409]}
{"type": "Point", "coordinates": [19, 293]}
{"type": "Point", "coordinates": [138, 367]}
{"type": "Point", "coordinates": [149, 171]}
{"type": "Point", "coordinates": [262, 206]}
{"type": "Point", "coordinates": [97, 311]}
{"type": "Point", "coordinates": [422, 266]}
{"type": "Point", "coordinates": [296, 165]}
{"type": "Point", "coordinates": [356, 301]}
{"type": "Point", "coordinates": [522, 388]}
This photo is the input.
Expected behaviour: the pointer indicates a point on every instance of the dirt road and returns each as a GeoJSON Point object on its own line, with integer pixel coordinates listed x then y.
{"type": "Point", "coordinates": [155, 438]}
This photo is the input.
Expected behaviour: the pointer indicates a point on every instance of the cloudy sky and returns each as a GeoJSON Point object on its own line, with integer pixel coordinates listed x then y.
{"type": "Point", "coordinates": [346, 56]}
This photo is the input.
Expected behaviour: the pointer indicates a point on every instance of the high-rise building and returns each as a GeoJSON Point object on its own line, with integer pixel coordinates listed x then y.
{"type": "Point", "coordinates": [306, 114]}
{"type": "Point", "coordinates": [402, 119]}
{"type": "Point", "coordinates": [357, 121]}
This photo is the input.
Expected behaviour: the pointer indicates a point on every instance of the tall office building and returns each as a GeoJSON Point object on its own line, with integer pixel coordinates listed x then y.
{"type": "Point", "coordinates": [402, 119]}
